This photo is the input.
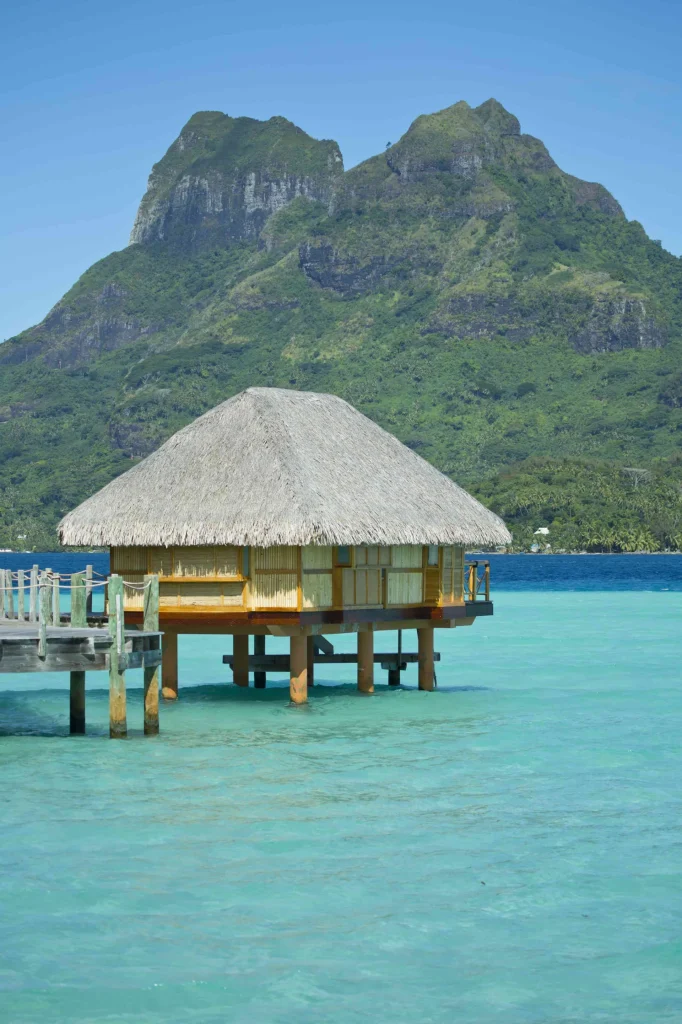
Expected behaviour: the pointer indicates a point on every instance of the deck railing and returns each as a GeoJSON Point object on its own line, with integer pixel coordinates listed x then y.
{"type": "Point", "coordinates": [477, 581]}
{"type": "Point", "coordinates": [29, 595]}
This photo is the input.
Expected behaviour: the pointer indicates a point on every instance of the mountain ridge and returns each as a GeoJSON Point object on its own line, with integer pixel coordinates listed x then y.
{"type": "Point", "coordinates": [459, 287]}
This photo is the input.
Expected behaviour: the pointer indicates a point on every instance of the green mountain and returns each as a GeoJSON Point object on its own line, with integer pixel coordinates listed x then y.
{"type": "Point", "coordinates": [502, 317]}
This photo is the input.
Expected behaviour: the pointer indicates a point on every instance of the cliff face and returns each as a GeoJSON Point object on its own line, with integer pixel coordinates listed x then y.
{"type": "Point", "coordinates": [223, 177]}
{"type": "Point", "coordinates": [459, 287]}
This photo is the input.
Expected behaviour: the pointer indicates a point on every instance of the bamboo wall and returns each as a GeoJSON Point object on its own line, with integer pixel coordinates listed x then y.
{"type": "Point", "coordinates": [288, 578]}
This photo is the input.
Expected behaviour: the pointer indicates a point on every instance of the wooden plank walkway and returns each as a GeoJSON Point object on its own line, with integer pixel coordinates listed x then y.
{"type": "Point", "coordinates": [47, 641]}
{"type": "Point", "coordinates": [75, 649]}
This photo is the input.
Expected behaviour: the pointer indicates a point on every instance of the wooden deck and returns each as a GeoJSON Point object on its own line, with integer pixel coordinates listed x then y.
{"type": "Point", "coordinates": [73, 649]}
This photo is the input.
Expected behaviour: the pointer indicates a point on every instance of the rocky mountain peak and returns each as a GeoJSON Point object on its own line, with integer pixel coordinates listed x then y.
{"type": "Point", "coordinates": [223, 177]}
{"type": "Point", "coordinates": [497, 119]}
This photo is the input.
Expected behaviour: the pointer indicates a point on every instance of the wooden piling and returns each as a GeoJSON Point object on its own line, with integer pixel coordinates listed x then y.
{"type": "Point", "coordinates": [10, 584]}
{"type": "Point", "coordinates": [425, 663]}
{"type": "Point", "coordinates": [366, 661]}
{"type": "Point", "coordinates": [169, 665]}
{"type": "Point", "coordinates": [77, 703]}
{"type": "Point", "coordinates": [298, 671]}
{"type": "Point", "coordinates": [118, 726]}
{"type": "Point", "coordinates": [44, 612]}
{"type": "Point", "coordinates": [79, 618]}
{"type": "Point", "coordinates": [240, 665]}
{"type": "Point", "coordinates": [259, 648]}
{"type": "Point", "coordinates": [33, 595]}
{"type": "Point", "coordinates": [88, 590]}
{"type": "Point", "coordinates": [7, 600]}
{"type": "Point", "coordinates": [151, 672]}
{"type": "Point", "coordinates": [21, 596]}
{"type": "Point", "coordinates": [310, 652]}
{"type": "Point", "coordinates": [56, 613]}
{"type": "Point", "coordinates": [394, 673]}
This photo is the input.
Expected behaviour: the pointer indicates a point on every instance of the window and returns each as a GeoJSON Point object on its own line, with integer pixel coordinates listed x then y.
{"type": "Point", "coordinates": [343, 556]}
{"type": "Point", "coordinates": [432, 558]}
{"type": "Point", "coordinates": [245, 561]}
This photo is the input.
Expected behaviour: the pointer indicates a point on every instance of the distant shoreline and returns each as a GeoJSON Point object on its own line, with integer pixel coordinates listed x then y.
{"type": "Point", "coordinates": [478, 554]}
{"type": "Point", "coordinates": [588, 554]}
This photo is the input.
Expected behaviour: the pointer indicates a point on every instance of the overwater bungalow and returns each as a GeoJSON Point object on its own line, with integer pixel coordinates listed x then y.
{"type": "Point", "coordinates": [289, 513]}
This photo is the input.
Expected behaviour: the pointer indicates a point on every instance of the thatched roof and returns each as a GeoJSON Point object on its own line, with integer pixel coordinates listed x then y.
{"type": "Point", "coordinates": [271, 466]}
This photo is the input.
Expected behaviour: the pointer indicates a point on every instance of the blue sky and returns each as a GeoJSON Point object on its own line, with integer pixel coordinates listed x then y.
{"type": "Point", "coordinates": [94, 93]}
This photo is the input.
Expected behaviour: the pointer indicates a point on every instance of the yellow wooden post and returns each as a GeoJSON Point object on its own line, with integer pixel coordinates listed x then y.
{"type": "Point", "coordinates": [240, 665]}
{"type": "Point", "coordinates": [169, 664]}
{"type": "Point", "coordinates": [472, 581]}
{"type": "Point", "coordinates": [425, 657]}
{"type": "Point", "coordinates": [298, 671]}
{"type": "Point", "coordinates": [487, 581]}
{"type": "Point", "coordinates": [151, 672]}
{"type": "Point", "coordinates": [366, 661]}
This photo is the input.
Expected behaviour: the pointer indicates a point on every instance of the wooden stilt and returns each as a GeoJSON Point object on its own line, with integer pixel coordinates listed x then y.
{"type": "Point", "coordinates": [240, 666]}
{"type": "Point", "coordinates": [78, 617]}
{"type": "Point", "coordinates": [298, 672]}
{"type": "Point", "coordinates": [259, 648]}
{"type": "Point", "coordinates": [425, 664]}
{"type": "Point", "coordinates": [118, 725]}
{"type": "Point", "coordinates": [56, 613]}
{"type": "Point", "coordinates": [88, 590]}
{"type": "Point", "coordinates": [169, 665]}
{"type": "Point", "coordinates": [33, 596]}
{"type": "Point", "coordinates": [77, 704]}
{"type": "Point", "coordinates": [151, 672]}
{"type": "Point", "coordinates": [310, 654]}
{"type": "Point", "coordinates": [366, 662]}
{"type": "Point", "coordinates": [6, 580]}
{"type": "Point", "coordinates": [44, 612]}
{"type": "Point", "coordinates": [394, 673]}
{"type": "Point", "coordinates": [21, 599]}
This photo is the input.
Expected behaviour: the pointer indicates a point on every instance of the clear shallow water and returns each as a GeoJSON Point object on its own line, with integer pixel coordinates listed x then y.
{"type": "Point", "coordinates": [267, 864]}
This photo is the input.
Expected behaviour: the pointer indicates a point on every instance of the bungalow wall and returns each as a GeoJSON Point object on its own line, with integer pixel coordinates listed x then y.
{"type": "Point", "coordinates": [290, 578]}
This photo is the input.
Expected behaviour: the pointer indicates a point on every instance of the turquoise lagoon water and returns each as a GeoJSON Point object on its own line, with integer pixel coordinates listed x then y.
{"type": "Point", "coordinates": [506, 849]}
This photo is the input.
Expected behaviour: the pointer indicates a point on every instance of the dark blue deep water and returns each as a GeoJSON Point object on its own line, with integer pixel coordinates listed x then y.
{"type": "Point", "coordinates": [505, 850]}
{"type": "Point", "coordinates": [509, 572]}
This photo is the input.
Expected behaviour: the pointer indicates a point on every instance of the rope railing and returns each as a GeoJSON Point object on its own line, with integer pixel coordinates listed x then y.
{"type": "Point", "coordinates": [38, 593]}
{"type": "Point", "coordinates": [70, 586]}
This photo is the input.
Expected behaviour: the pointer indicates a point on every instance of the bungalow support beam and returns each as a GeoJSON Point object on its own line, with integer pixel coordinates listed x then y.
{"type": "Point", "coordinates": [298, 662]}
{"type": "Point", "coordinates": [240, 666]}
{"type": "Point", "coordinates": [425, 656]}
{"type": "Point", "coordinates": [151, 672]}
{"type": "Point", "coordinates": [310, 652]}
{"type": "Point", "coordinates": [259, 648]}
{"type": "Point", "coordinates": [394, 673]}
{"type": "Point", "coordinates": [77, 703]}
{"type": "Point", "coordinates": [169, 665]}
{"type": "Point", "coordinates": [366, 661]}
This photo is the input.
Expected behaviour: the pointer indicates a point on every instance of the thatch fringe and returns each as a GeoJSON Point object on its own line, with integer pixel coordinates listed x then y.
{"type": "Point", "coordinates": [272, 466]}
